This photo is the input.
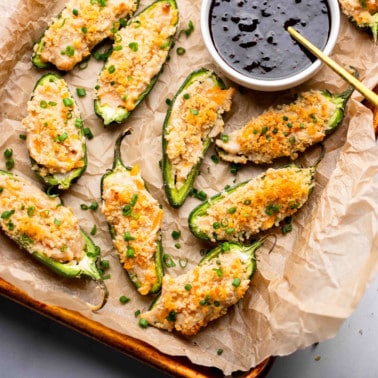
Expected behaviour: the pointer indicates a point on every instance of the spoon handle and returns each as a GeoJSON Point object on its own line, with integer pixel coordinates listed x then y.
{"type": "Point", "coordinates": [370, 95]}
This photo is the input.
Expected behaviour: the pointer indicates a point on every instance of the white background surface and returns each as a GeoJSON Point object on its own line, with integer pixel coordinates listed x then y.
{"type": "Point", "coordinates": [32, 346]}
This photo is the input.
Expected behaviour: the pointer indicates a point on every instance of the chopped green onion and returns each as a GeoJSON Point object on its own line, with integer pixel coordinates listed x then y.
{"type": "Point", "coordinates": [8, 153]}
{"type": "Point", "coordinates": [143, 323]}
{"type": "Point", "coordinates": [67, 101]}
{"type": "Point", "coordinates": [9, 164]}
{"type": "Point", "coordinates": [176, 234]}
{"type": "Point", "coordinates": [168, 261]}
{"type": "Point", "coordinates": [94, 230]}
{"type": "Point", "coordinates": [171, 317]}
{"type": "Point", "coordinates": [180, 51]}
{"type": "Point", "coordinates": [81, 92]}
{"type": "Point", "coordinates": [127, 236]}
{"type": "Point", "coordinates": [126, 210]}
{"type": "Point", "coordinates": [123, 299]}
{"type": "Point", "coordinates": [224, 138]}
{"type": "Point", "coordinates": [130, 252]}
{"type": "Point", "coordinates": [88, 133]}
{"type": "Point", "coordinates": [236, 282]}
{"type": "Point", "coordinates": [70, 51]}
{"type": "Point", "coordinates": [7, 214]}
{"type": "Point", "coordinates": [134, 46]}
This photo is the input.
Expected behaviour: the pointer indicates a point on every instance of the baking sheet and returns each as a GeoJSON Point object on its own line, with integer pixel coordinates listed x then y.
{"type": "Point", "coordinates": [302, 291]}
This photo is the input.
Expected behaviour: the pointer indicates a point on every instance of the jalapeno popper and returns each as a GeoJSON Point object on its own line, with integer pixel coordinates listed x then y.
{"type": "Point", "coordinates": [190, 301]}
{"type": "Point", "coordinates": [193, 118]}
{"type": "Point", "coordinates": [55, 136]}
{"type": "Point", "coordinates": [135, 220]}
{"type": "Point", "coordinates": [80, 26]}
{"type": "Point", "coordinates": [49, 231]}
{"type": "Point", "coordinates": [285, 130]}
{"type": "Point", "coordinates": [363, 13]}
{"type": "Point", "coordinates": [245, 209]}
{"type": "Point", "coordinates": [139, 53]}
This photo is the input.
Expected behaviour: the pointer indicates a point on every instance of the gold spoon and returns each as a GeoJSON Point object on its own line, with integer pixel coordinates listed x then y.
{"type": "Point", "coordinates": [370, 95]}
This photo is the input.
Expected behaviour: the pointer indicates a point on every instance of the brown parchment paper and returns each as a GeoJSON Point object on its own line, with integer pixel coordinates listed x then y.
{"type": "Point", "coordinates": [302, 291]}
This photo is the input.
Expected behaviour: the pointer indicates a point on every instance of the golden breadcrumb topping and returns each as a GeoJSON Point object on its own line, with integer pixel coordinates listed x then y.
{"type": "Point", "coordinates": [54, 138]}
{"type": "Point", "coordinates": [81, 25]}
{"type": "Point", "coordinates": [196, 115]}
{"type": "Point", "coordinates": [38, 222]}
{"type": "Point", "coordinates": [139, 52]}
{"type": "Point", "coordinates": [257, 205]}
{"type": "Point", "coordinates": [281, 131]}
{"type": "Point", "coordinates": [191, 300]}
{"type": "Point", "coordinates": [136, 218]}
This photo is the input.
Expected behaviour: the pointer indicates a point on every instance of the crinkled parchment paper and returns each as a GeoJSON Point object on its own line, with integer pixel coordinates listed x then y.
{"type": "Point", "coordinates": [302, 291]}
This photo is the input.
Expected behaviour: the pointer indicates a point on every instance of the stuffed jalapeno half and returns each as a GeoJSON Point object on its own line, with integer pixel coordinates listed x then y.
{"type": "Point", "coordinates": [135, 220]}
{"type": "Point", "coordinates": [285, 130]}
{"type": "Point", "coordinates": [139, 53]}
{"type": "Point", "coordinates": [191, 300]}
{"type": "Point", "coordinates": [49, 231]}
{"type": "Point", "coordinates": [80, 26]}
{"type": "Point", "coordinates": [55, 136]}
{"type": "Point", "coordinates": [241, 211]}
{"type": "Point", "coordinates": [362, 13]}
{"type": "Point", "coordinates": [193, 119]}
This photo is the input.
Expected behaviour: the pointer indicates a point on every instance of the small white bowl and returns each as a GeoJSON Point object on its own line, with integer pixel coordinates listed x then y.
{"type": "Point", "coordinates": [269, 85]}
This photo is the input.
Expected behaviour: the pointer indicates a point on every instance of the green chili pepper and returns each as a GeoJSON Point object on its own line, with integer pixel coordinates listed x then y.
{"type": "Point", "coordinates": [368, 22]}
{"type": "Point", "coordinates": [84, 266]}
{"type": "Point", "coordinates": [201, 287]}
{"type": "Point", "coordinates": [119, 113]}
{"type": "Point", "coordinates": [44, 55]}
{"type": "Point", "coordinates": [118, 217]}
{"type": "Point", "coordinates": [51, 175]}
{"type": "Point", "coordinates": [294, 128]}
{"type": "Point", "coordinates": [179, 185]}
{"type": "Point", "coordinates": [270, 207]}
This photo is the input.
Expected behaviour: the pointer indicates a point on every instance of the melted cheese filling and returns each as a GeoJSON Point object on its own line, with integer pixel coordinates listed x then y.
{"type": "Point", "coordinates": [79, 28]}
{"type": "Point", "coordinates": [37, 222]}
{"type": "Point", "coordinates": [258, 205]}
{"type": "Point", "coordinates": [281, 131]}
{"type": "Point", "coordinates": [137, 219]}
{"type": "Point", "coordinates": [196, 116]}
{"type": "Point", "coordinates": [53, 140]}
{"type": "Point", "coordinates": [190, 301]}
{"type": "Point", "coordinates": [139, 52]}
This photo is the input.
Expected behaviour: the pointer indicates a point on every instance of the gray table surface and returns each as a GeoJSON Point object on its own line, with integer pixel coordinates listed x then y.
{"type": "Point", "coordinates": [32, 346]}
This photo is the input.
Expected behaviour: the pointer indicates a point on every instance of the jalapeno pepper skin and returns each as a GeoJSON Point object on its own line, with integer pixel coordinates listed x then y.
{"type": "Point", "coordinates": [242, 211]}
{"type": "Point", "coordinates": [363, 14]}
{"type": "Point", "coordinates": [286, 130]}
{"type": "Point", "coordinates": [120, 86]}
{"type": "Point", "coordinates": [188, 302]}
{"type": "Point", "coordinates": [176, 188]}
{"type": "Point", "coordinates": [144, 271]}
{"type": "Point", "coordinates": [55, 133]}
{"type": "Point", "coordinates": [47, 215]}
{"type": "Point", "coordinates": [87, 26]}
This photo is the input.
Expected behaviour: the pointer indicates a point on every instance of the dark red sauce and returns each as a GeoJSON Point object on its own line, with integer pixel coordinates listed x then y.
{"type": "Point", "coordinates": [250, 35]}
